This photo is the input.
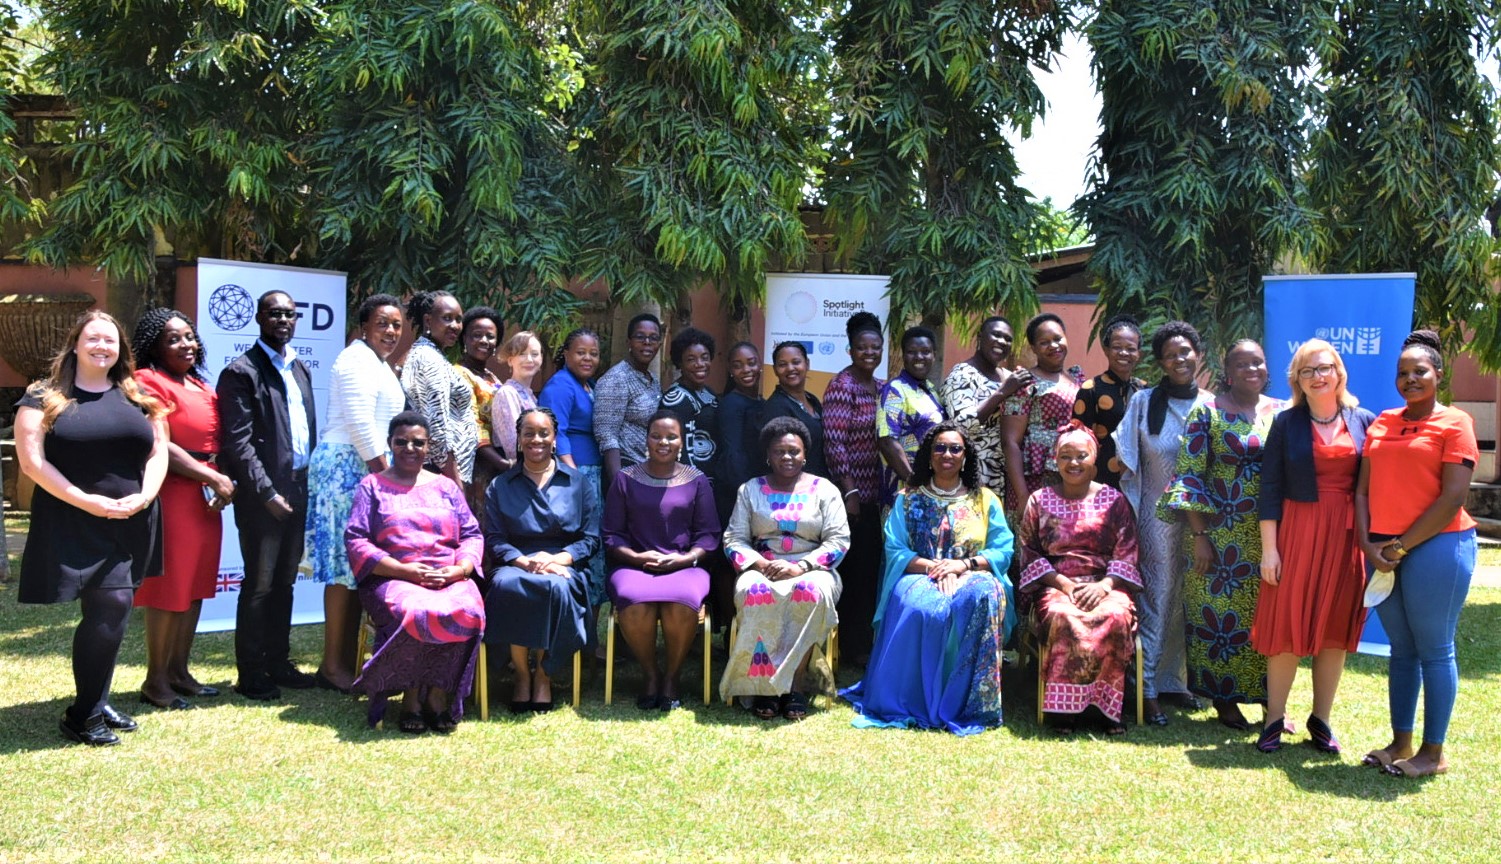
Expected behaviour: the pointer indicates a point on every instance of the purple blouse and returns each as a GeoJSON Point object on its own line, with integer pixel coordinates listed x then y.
{"type": "Point", "coordinates": [645, 514]}
{"type": "Point", "coordinates": [849, 424]}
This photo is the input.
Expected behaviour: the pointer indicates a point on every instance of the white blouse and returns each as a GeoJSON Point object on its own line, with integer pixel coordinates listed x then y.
{"type": "Point", "coordinates": [364, 394]}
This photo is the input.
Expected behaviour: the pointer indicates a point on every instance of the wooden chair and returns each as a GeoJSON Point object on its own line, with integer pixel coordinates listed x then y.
{"type": "Point", "coordinates": [703, 618]}
{"type": "Point", "coordinates": [481, 690]}
{"type": "Point", "coordinates": [830, 647]}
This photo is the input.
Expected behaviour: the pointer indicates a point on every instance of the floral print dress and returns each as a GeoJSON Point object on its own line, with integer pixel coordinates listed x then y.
{"type": "Point", "coordinates": [1219, 474]}
{"type": "Point", "coordinates": [1046, 405]}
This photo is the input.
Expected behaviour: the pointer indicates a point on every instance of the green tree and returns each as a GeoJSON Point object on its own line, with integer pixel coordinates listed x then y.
{"type": "Point", "coordinates": [1197, 188]}
{"type": "Point", "coordinates": [16, 205]}
{"type": "Point", "coordinates": [697, 135]}
{"type": "Point", "coordinates": [432, 164]}
{"type": "Point", "coordinates": [1406, 162]}
{"type": "Point", "coordinates": [187, 128]}
{"type": "Point", "coordinates": [922, 180]}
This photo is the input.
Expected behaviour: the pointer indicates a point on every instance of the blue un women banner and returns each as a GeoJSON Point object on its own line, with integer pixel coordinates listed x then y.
{"type": "Point", "coordinates": [1365, 317]}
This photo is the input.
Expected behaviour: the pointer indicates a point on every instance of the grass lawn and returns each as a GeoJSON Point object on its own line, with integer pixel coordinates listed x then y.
{"type": "Point", "coordinates": [304, 780]}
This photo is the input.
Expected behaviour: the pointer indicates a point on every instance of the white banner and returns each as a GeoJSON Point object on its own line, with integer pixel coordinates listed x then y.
{"type": "Point", "coordinates": [812, 308]}
{"type": "Point", "coordinates": [227, 295]}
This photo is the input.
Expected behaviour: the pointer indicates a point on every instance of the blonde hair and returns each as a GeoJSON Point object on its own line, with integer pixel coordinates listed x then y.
{"type": "Point", "coordinates": [56, 391]}
{"type": "Point", "coordinates": [1341, 378]}
{"type": "Point", "coordinates": [517, 343]}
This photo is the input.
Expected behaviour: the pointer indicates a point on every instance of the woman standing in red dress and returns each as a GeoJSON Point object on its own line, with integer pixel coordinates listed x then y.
{"type": "Point", "coordinates": [171, 369]}
{"type": "Point", "coordinates": [1311, 570]}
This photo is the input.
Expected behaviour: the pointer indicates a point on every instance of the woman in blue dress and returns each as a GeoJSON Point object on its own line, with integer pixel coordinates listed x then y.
{"type": "Point", "coordinates": [945, 601]}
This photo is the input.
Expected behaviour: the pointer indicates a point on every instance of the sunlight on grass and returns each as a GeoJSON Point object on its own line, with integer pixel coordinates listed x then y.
{"type": "Point", "coordinates": [304, 779]}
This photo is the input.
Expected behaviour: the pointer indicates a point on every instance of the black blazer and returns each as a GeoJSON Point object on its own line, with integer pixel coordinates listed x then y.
{"type": "Point", "coordinates": [1287, 459]}
{"type": "Point", "coordinates": [255, 433]}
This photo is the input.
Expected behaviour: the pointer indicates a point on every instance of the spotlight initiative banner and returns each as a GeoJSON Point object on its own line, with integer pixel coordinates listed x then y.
{"type": "Point", "coordinates": [1365, 317]}
{"type": "Point", "coordinates": [812, 308]}
{"type": "Point", "coordinates": [227, 295]}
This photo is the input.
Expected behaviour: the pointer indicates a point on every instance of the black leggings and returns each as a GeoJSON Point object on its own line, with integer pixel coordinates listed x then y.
{"type": "Point", "coordinates": [96, 645]}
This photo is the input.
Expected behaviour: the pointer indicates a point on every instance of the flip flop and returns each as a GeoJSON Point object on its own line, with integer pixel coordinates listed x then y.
{"type": "Point", "coordinates": [1404, 768]}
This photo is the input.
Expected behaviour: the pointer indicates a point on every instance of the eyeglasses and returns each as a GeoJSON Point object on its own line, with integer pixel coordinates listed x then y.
{"type": "Point", "coordinates": [1307, 373]}
{"type": "Point", "coordinates": [408, 443]}
{"type": "Point", "coordinates": [648, 338]}
{"type": "Point", "coordinates": [282, 314]}
{"type": "Point", "coordinates": [949, 449]}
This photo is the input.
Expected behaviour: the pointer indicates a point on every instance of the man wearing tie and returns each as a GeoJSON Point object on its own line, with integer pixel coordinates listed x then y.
{"type": "Point", "coordinates": [267, 427]}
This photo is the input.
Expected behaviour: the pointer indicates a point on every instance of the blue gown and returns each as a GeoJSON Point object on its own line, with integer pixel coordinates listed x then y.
{"type": "Point", "coordinates": [936, 660]}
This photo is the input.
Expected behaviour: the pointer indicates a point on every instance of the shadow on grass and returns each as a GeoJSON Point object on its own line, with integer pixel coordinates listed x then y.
{"type": "Point", "coordinates": [29, 726]}
{"type": "Point", "coordinates": [1309, 770]}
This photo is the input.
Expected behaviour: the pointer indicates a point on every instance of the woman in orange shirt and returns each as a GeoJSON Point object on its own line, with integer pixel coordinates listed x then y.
{"type": "Point", "coordinates": [1410, 517]}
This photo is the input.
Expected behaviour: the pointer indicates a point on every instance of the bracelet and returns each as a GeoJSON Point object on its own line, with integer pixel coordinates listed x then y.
{"type": "Point", "coordinates": [852, 492]}
{"type": "Point", "coordinates": [1204, 533]}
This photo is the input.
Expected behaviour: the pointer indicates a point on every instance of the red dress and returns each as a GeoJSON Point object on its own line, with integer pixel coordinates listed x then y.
{"type": "Point", "coordinates": [190, 532]}
{"type": "Point", "coordinates": [1317, 601]}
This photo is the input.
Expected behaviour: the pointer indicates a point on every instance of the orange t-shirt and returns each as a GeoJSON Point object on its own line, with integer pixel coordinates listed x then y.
{"type": "Point", "coordinates": [1407, 458]}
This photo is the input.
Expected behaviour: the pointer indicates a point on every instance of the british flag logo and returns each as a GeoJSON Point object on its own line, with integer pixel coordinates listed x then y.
{"type": "Point", "coordinates": [228, 581]}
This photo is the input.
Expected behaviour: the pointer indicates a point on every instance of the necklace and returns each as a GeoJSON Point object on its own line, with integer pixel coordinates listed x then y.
{"type": "Point", "coordinates": [947, 493]}
{"type": "Point", "coordinates": [543, 473]}
{"type": "Point", "coordinates": [1324, 421]}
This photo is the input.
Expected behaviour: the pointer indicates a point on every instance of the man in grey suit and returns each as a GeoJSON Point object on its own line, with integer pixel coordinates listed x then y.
{"type": "Point", "coordinates": [267, 427]}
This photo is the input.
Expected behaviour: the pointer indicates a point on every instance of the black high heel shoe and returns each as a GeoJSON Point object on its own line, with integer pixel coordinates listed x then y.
{"type": "Point", "coordinates": [1271, 737]}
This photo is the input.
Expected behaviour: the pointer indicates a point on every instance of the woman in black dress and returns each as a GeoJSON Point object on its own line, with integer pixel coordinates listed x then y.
{"type": "Point", "coordinates": [789, 360]}
{"type": "Point", "coordinates": [96, 445]}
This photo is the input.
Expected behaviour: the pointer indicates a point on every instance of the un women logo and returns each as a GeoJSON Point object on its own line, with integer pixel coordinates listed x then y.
{"type": "Point", "coordinates": [231, 307]}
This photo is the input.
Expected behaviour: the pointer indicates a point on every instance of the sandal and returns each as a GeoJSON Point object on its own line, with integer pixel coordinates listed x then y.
{"type": "Point", "coordinates": [1321, 736]}
{"type": "Point", "coordinates": [1271, 737]}
{"type": "Point", "coordinates": [440, 722]}
{"type": "Point", "coordinates": [412, 723]}
{"type": "Point", "coordinates": [1158, 719]}
{"type": "Point", "coordinates": [794, 705]}
{"type": "Point", "coordinates": [1377, 759]}
{"type": "Point", "coordinates": [1115, 727]}
{"type": "Point", "coordinates": [764, 707]}
{"type": "Point", "coordinates": [1405, 768]}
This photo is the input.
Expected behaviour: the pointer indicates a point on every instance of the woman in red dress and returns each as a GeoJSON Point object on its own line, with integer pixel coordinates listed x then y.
{"type": "Point", "coordinates": [171, 369]}
{"type": "Point", "coordinates": [1311, 571]}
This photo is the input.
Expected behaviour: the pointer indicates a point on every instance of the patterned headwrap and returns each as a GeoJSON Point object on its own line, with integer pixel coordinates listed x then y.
{"type": "Point", "coordinates": [1074, 432]}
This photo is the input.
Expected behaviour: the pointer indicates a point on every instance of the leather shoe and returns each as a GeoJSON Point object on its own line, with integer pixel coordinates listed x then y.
{"type": "Point", "coordinates": [288, 675]}
{"type": "Point", "coordinates": [176, 703]}
{"type": "Point", "coordinates": [325, 684]}
{"type": "Point", "coordinates": [203, 692]}
{"type": "Point", "coordinates": [261, 691]}
{"type": "Point", "coordinates": [92, 731]}
{"type": "Point", "coordinates": [118, 720]}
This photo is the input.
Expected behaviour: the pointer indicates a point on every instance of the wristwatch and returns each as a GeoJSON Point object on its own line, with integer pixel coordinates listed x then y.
{"type": "Point", "coordinates": [1401, 550]}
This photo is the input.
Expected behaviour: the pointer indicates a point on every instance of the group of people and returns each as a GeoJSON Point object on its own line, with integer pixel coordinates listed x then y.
{"type": "Point", "coordinates": [926, 517]}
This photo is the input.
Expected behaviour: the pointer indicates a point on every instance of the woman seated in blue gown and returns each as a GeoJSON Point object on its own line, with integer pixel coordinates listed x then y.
{"type": "Point", "coordinates": [945, 601]}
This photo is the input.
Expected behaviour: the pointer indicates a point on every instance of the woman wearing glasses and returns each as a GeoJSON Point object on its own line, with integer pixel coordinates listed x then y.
{"type": "Point", "coordinates": [943, 613]}
{"type": "Point", "coordinates": [1311, 574]}
{"type": "Point", "coordinates": [626, 397]}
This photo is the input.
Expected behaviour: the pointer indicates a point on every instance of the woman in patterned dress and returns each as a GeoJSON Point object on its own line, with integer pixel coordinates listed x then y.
{"type": "Point", "coordinates": [436, 388]}
{"type": "Point", "coordinates": [945, 609]}
{"type": "Point", "coordinates": [479, 338]}
{"type": "Point", "coordinates": [975, 392]}
{"type": "Point", "coordinates": [364, 394]}
{"type": "Point", "coordinates": [1030, 419]}
{"type": "Point", "coordinates": [850, 403]}
{"type": "Point", "coordinates": [909, 408]}
{"type": "Point", "coordinates": [523, 354]}
{"type": "Point", "coordinates": [1147, 443]}
{"type": "Point", "coordinates": [1078, 558]}
{"type": "Point", "coordinates": [786, 535]}
{"type": "Point", "coordinates": [415, 549]}
{"type": "Point", "coordinates": [1215, 488]}
{"type": "Point", "coordinates": [689, 397]}
{"type": "Point", "coordinates": [1103, 399]}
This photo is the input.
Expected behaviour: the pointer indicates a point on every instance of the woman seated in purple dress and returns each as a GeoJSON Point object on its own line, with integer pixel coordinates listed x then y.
{"type": "Point", "coordinates": [659, 521]}
{"type": "Point", "coordinates": [414, 547]}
